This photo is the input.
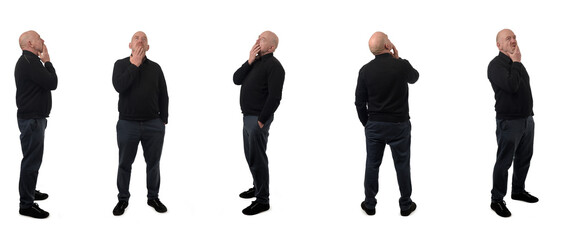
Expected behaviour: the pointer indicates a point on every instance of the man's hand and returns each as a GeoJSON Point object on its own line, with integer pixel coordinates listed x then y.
{"type": "Point", "coordinates": [261, 125]}
{"type": "Point", "coordinates": [44, 55]}
{"type": "Point", "coordinates": [137, 56]}
{"type": "Point", "coordinates": [394, 51]}
{"type": "Point", "coordinates": [517, 55]}
{"type": "Point", "coordinates": [254, 51]}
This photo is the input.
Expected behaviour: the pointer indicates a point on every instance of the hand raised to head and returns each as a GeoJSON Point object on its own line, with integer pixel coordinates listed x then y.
{"type": "Point", "coordinates": [44, 54]}
{"type": "Point", "coordinates": [516, 56]}
{"type": "Point", "coordinates": [254, 52]}
{"type": "Point", "coordinates": [137, 56]}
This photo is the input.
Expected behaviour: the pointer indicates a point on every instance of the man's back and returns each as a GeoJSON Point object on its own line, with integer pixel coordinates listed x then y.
{"type": "Point", "coordinates": [383, 88]}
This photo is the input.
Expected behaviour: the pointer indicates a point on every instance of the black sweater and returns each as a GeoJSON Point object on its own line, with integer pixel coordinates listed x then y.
{"type": "Point", "coordinates": [511, 85]}
{"type": "Point", "coordinates": [382, 89]}
{"type": "Point", "coordinates": [261, 86]}
{"type": "Point", "coordinates": [143, 90]}
{"type": "Point", "coordinates": [34, 83]}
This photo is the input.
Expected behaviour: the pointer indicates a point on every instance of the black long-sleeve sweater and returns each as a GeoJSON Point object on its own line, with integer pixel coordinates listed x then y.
{"type": "Point", "coordinates": [261, 86]}
{"type": "Point", "coordinates": [34, 83]}
{"type": "Point", "coordinates": [511, 84]}
{"type": "Point", "coordinates": [382, 89]}
{"type": "Point", "coordinates": [143, 90]}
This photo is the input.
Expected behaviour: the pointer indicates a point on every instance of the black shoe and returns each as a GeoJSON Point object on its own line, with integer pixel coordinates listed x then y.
{"type": "Point", "coordinates": [369, 212]}
{"type": "Point", "coordinates": [407, 212]}
{"type": "Point", "coordinates": [157, 204]}
{"type": "Point", "coordinates": [500, 209]}
{"type": "Point", "coordinates": [525, 196]}
{"type": "Point", "coordinates": [120, 208]}
{"type": "Point", "coordinates": [40, 196]}
{"type": "Point", "coordinates": [255, 208]}
{"type": "Point", "coordinates": [248, 194]}
{"type": "Point", "coordinates": [34, 211]}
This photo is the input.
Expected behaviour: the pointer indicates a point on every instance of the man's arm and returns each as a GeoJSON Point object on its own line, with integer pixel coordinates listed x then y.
{"type": "Point", "coordinates": [241, 73]}
{"type": "Point", "coordinates": [361, 98]}
{"type": "Point", "coordinates": [43, 76]}
{"type": "Point", "coordinates": [124, 75]}
{"type": "Point", "coordinates": [412, 74]}
{"type": "Point", "coordinates": [508, 80]}
{"type": "Point", "coordinates": [275, 83]}
{"type": "Point", "coordinates": [163, 98]}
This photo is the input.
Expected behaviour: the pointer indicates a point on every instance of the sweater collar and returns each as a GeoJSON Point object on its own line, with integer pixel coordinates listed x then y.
{"type": "Point", "coordinates": [28, 53]}
{"type": "Point", "coordinates": [266, 56]}
{"type": "Point", "coordinates": [384, 55]}
{"type": "Point", "coordinates": [503, 56]}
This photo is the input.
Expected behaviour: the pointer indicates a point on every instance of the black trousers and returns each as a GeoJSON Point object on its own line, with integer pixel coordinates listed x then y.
{"type": "Point", "coordinates": [32, 136]}
{"type": "Point", "coordinates": [151, 134]}
{"type": "Point", "coordinates": [255, 147]}
{"type": "Point", "coordinates": [515, 140]}
{"type": "Point", "coordinates": [398, 137]}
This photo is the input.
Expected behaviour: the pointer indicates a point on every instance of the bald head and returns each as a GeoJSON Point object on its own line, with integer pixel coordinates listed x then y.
{"type": "Point", "coordinates": [268, 41]}
{"type": "Point", "coordinates": [506, 41]}
{"type": "Point", "coordinates": [31, 41]}
{"type": "Point", "coordinates": [502, 33]}
{"type": "Point", "coordinates": [379, 43]}
{"type": "Point", "coordinates": [139, 39]}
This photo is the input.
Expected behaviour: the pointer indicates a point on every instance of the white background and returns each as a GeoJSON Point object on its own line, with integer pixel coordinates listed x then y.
{"type": "Point", "coordinates": [317, 145]}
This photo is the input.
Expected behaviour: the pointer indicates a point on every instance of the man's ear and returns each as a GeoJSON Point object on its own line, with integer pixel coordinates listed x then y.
{"type": "Point", "coordinates": [147, 48]}
{"type": "Point", "coordinates": [130, 46]}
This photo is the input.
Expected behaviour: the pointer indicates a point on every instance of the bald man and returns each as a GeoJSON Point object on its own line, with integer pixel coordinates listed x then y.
{"type": "Point", "coordinates": [261, 78]}
{"type": "Point", "coordinates": [144, 111]}
{"type": "Point", "coordinates": [514, 122]}
{"type": "Point", "coordinates": [35, 79]}
{"type": "Point", "coordinates": [381, 98]}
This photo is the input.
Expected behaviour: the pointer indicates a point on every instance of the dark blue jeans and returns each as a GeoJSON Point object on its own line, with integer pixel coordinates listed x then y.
{"type": "Point", "coordinates": [515, 140]}
{"type": "Point", "coordinates": [32, 136]}
{"type": "Point", "coordinates": [397, 136]}
{"type": "Point", "coordinates": [151, 134]}
{"type": "Point", "coordinates": [255, 147]}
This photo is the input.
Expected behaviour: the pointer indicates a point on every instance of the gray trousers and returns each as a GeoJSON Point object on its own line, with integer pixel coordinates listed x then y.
{"type": "Point", "coordinates": [255, 147]}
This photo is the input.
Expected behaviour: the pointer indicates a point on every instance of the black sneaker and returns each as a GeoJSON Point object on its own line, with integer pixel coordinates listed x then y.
{"type": "Point", "coordinates": [120, 208]}
{"type": "Point", "coordinates": [34, 211]}
{"type": "Point", "coordinates": [525, 196]}
{"type": "Point", "coordinates": [407, 212]}
{"type": "Point", "coordinates": [248, 194]}
{"type": "Point", "coordinates": [40, 196]}
{"type": "Point", "coordinates": [500, 209]}
{"type": "Point", "coordinates": [255, 208]}
{"type": "Point", "coordinates": [369, 212]}
{"type": "Point", "coordinates": [157, 204]}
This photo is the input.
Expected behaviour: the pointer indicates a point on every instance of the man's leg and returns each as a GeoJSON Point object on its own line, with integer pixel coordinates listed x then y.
{"type": "Point", "coordinates": [153, 136]}
{"type": "Point", "coordinates": [32, 136]}
{"type": "Point", "coordinates": [128, 140]}
{"type": "Point", "coordinates": [375, 146]}
{"type": "Point", "coordinates": [400, 149]}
